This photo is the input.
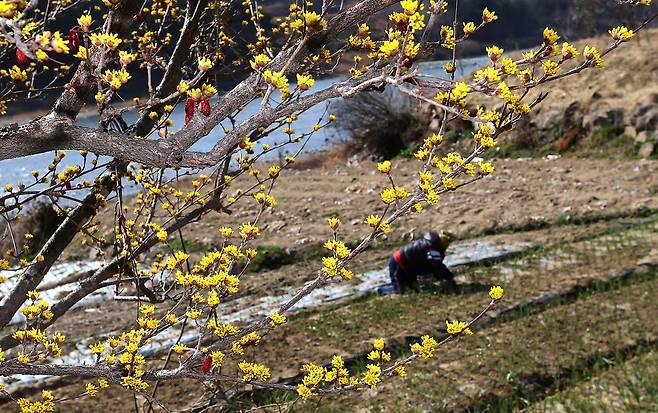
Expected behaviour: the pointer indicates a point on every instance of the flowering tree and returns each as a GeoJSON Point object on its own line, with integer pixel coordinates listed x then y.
{"type": "Point", "coordinates": [174, 52]}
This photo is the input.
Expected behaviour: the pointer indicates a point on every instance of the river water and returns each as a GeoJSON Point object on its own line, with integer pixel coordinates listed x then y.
{"type": "Point", "coordinates": [18, 170]}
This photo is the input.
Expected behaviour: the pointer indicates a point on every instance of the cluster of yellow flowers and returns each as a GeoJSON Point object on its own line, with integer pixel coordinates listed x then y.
{"type": "Point", "coordinates": [390, 195]}
{"type": "Point", "coordinates": [124, 350]}
{"type": "Point", "coordinates": [254, 371]}
{"type": "Point", "coordinates": [47, 405]}
{"type": "Point", "coordinates": [338, 376]}
{"type": "Point", "coordinates": [37, 338]}
{"type": "Point", "coordinates": [455, 327]}
{"type": "Point", "coordinates": [52, 41]}
{"type": "Point", "coordinates": [38, 308]}
{"type": "Point", "coordinates": [426, 348]}
{"type": "Point", "coordinates": [109, 40]}
{"type": "Point", "coordinates": [301, 21]}
{"type": "Point", "coordinates": [116, 78]}
{"type": "Point", "coordinates": [276, 319]}
{"type": "Point", "coordinates": [456, 96]}
{"type": "Point", "coordinates": [377, 223]}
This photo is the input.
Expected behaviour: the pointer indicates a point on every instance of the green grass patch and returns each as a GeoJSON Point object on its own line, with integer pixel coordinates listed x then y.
{"type": "Point", "coordinates": [271, 257]}
{"type": "Point", "coordinates": [188, 245]}
{"type": "Point", "coordinates": [352, 326]}
{"type": "Point", "coordinates": [621, 385]}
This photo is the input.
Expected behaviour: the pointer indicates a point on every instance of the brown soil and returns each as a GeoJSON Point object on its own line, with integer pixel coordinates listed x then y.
{"type": "Point", "coordinates": [520, 191]}
{"type": "Point", "coordinates": [630, 77]}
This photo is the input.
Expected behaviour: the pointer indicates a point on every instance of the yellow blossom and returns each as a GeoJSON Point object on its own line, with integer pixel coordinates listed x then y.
{"type": "Point", "coordinates": [276, 319]}
{"type": "Point", "coordinates": [276, 79]}
{"type": "Point", "coordinates": [82, 53]}
{"type": "Point", "coordinates": [330, 266]}
{"type": "Point", "coordinates": [259, 61]}
{"type": "Point", "coordinates": [457, 327]}
{"type": "Point", "coordinates": [400, 371]}
{"type": "Point", "coordinates": [84, 22]}
{"type": "Point", "coordinates": [314, 22]}
{"type": "Point", "coordinates": [304, 81]}
{"type": "Point", "coordinates": [179, 348]}
{"type": "Point", "coordinates": [182, 87]}
{"type": "Point", "coordinates": [23, 358]}
{"type": "Point", "coordinates": [593, 56]}
{"type": "Point", "coordinates": [248, 231]}
{"type": "Point", "coordinates": [125, 58]}
{"type": "Point", "coordinates": [303, 391]}
{"type": "Point", "coordinates": [469, 28]}
{"type": "Point", "coordinates": [334, 223]}
{"type": "Point", "coordinates": [17, 74]}
{"type": "Point", "coordinates": [550, 67]}
{"type": "Point", "coordinates": [459, 91]}
{"type": "Point", "coordinates": [486, 168]}
{"type": "Point", "coordinates": [426, 348]}
{"type": "Point", "coordinates": [621, 33]}
{"type": "Point", "coordinates": [496, 292]}
{"type": "Point", "coordinates": [91, 389]}
{"type": "Point", "coordinates": [569, 51]}
{"type": "Point", "coordinates": [372, 376]}
{"type": "Point", "coordinates": [205, 64]}
{"type": "Point", "coordinates": [373, 220]}
{"type": "Point", "coordinates": [384, 167]}
{"type": "Point", "coordinates": [494, 52]}
{"type": "Point", "coordinates": [508, 66]}
{"type": "Point", "coordinates": [162, 235]}
{"type": "Point", "coordinates": [388, 195]}
{"type": "Point", "coordinates": [447, 37]}
{"type": "Point", "coordinates": [488, 74]}
{"type": "Point", "coordinates": [378, 344]}
{"type": "Point", "coordinates": [550, 36]}
{"type": "Point", "coordinates": [389, 48]}
{"type": "Point", "coordinates": [488, 16]}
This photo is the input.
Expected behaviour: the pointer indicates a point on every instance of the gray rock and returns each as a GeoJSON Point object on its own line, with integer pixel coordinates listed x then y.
{"type": "Point", "coordinates": [640, 110]}
{"type": "Point", "coordinates": [646, 150]}
{"type": "Point", "coordinates": [596, 119]}
{"type": "Point", "coordinates": [647, 121]}
{"type": "Point", "coordinates": [572, 114]}
{"type": "Point", "coordinates": [642, 136]}
{"type": "Point", "coordinates": [630, 132]}
{"type": "Point", "coordinates": [548, 120]}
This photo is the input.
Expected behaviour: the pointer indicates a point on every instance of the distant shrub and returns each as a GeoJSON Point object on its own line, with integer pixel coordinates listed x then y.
{"type": "Point", "coordinates": [380, 124]}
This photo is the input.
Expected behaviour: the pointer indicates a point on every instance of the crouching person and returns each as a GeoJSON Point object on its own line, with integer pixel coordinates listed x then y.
{"type": "Point", "coordinates": [421, 257]}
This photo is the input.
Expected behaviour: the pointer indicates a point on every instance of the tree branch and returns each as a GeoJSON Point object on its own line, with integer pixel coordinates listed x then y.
{"type": "Point", "coordinates": [51, 251]}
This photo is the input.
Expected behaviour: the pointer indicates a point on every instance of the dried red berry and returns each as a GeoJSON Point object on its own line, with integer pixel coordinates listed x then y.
{"type": "Point", "coordinates": [67, 184]}
{"type": "Point", "coordinates": [205, 107]}
{"type": "Point", "coordinates": [22, 59]}
{"type": "Point", "coordinates": [407, 62]}
{"type": "Point", "coordinates": [207, 364]}
{"type": "Point", "coordinates": [190, 105]}
{"type": "Point", "coordinates": [401, 26]}
{"type": "Point", "coordinates": [74, 41]}
{"type": "Point", "coordinates": [139, 17]}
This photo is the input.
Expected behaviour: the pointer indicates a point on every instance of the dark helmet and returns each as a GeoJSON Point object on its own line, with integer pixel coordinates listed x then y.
{"type": "Point", "coordinates": [441, 240]}
{"type": "Point", "coordinates": [432, 237]}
